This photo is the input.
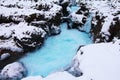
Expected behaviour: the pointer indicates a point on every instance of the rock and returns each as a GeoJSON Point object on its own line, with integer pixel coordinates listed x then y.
{"type": "Point", "coordinates": [65, 4]}
{"type": "Point", "coordinates": [4, 56]}
{"type": "Point", "coordinates": [55, 30]}
{"type": "Point", "coordinates": [13, 71]}
{"type": "Point", "coordinates": [79, 17]}
{"type": "Point", "coordinates": [25, 27]}
{"type": "Point", "coordinates": [74, 68]}
{"type": "Point", "coordinates": [105, 23]}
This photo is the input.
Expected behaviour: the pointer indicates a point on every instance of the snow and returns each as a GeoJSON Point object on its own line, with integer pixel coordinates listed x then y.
{"type": "Point", "coordinates": [104, 8]}
{"type": "Point", "coordinates": [76, 17]}
{"type": "Point", "coordinates": [4, 56]}
{"type": "Point", "coordinates": [100, 61]}
{"type": "Point", "coordinates": [9, 45]}
{"type": "Point", "coordinates": [15, 11]}
{"type": "Point", "coordinates": [20, 31]}
{"type": "Point", "coordinates": [33, 78]}
{"type": "Point", "coordinates": [55, 76]}
{"type": "Point", "coordinates": [60, 75]}
{"type": "Point", "coordinates": [52, 12]}
{"type": "Point", "coordinates": [23, 30]}
{"type": "Point", "coordinates": [26, 8]}
{"type": "Point", "coordinates": [13, 71]}
{"type": "Point", "coordinates": [56, 53]}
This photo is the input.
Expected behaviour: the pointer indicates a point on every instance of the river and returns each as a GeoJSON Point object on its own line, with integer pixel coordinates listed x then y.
{"type": "Point", "coordinates": [56, 53]}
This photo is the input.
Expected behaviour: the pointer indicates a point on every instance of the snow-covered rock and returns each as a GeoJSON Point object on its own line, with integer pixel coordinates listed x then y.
{"type": "Point", "coordinates": [105, 21]}
{"type": "Point", "coordinates": [13, 71]}
{"type": "Point", "coordinates": [79, 17]}
{"type": "Point", "coordinates": [55, 30]}
{"type": "Point", "coordinates": [21, 35]}
{"type": "Point", "coordinates": [24, 24]}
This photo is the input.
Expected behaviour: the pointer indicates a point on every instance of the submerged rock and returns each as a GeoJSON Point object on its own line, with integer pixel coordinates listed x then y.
{"type": "Point", "coordinates": [13, 71]}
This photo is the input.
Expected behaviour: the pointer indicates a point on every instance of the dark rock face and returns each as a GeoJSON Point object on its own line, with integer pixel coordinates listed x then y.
{"type": "Point", "coordinates": [98, 22]}
{"type": "Point", "coordinates": [115, 29]}
{"type": "Point", "coordinates": [64, 5]}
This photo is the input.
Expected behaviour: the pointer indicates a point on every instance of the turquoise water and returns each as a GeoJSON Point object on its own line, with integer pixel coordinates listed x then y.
{"type": "Point", "coordinates": [74, 8]}
{"type": "Point", "coordinates": [56, 53]}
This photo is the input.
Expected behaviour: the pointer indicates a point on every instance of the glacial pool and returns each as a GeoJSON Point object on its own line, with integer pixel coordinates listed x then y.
{"type": "Point", "coordinates": [57, 52]}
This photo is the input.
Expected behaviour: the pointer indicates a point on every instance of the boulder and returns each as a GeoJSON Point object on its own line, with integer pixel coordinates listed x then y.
{"type": "Point", "coordinates": [13, 71]}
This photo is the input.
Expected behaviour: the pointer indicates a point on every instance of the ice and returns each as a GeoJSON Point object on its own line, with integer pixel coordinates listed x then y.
{"type": "Point", "coordinates": [56, 53]}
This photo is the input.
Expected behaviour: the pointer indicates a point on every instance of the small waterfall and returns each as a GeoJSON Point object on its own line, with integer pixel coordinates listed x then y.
{"type": "Point", "coordinates": [73, 2]}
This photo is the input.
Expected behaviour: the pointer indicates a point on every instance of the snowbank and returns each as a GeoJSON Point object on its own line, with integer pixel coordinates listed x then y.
{"type": "Point", "coordinates": [100, 61]}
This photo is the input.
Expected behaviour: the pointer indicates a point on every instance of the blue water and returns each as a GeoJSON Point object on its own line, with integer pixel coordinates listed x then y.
{"type": "Point", "coordinates": [74, 8]}
{"type": "Point", "coordinates": [56, 53]}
